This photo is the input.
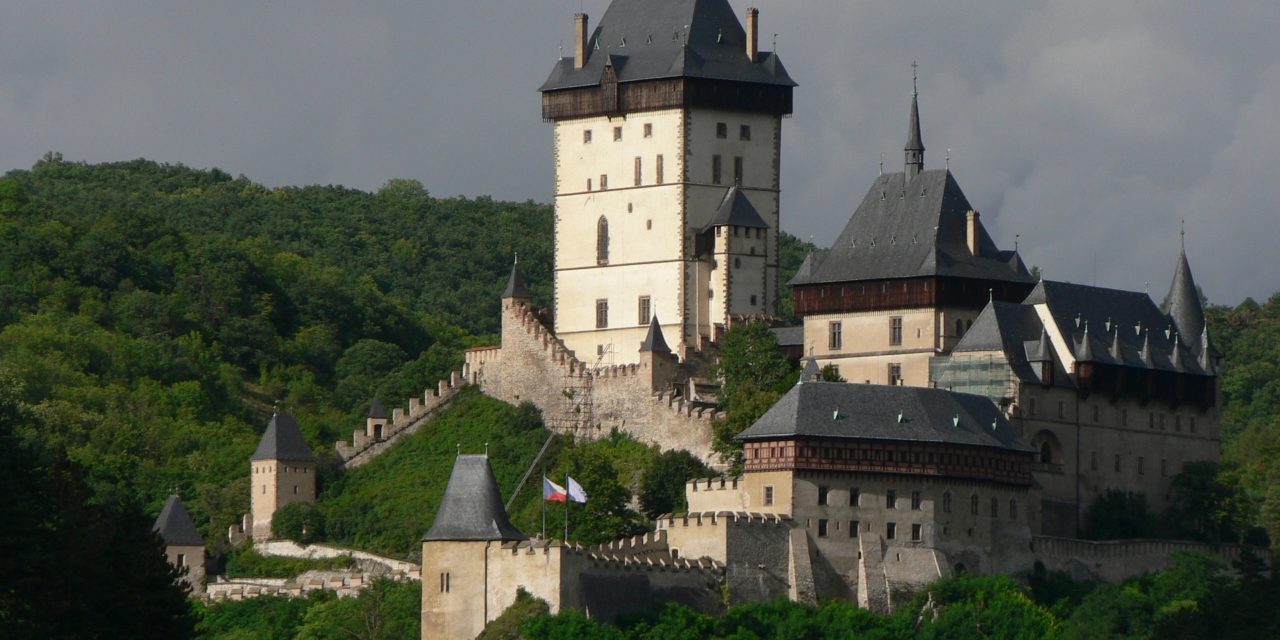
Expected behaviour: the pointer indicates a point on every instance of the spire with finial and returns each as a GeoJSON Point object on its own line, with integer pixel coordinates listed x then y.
{"type": "Point", "coordinates": [913, 153]}
{"type": "Point", "coordinates": [1183, 302]}
{"type": "Point", "coordinates": [515, 283]}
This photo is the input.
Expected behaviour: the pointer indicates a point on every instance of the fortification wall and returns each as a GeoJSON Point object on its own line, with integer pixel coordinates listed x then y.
{"type": "Point", "coordinates": [343, 583]}
{"type": "Point", "coordinates": [716, 494]}
{"type": "Point", "coordinates": [375, 563]}
{"type": "Point", "coordinates": [753, 547]}
{"type": "Point", "coordinates": [1116, 560]}
{"type": "Point", "coordinates": [577, 399]}
{"type": "Point", "coordinates": [364, 448]}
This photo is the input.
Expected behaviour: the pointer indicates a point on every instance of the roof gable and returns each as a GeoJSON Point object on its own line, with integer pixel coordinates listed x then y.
{"type": "Point", "coordinates": [283, 441]}
{"type": "Point", "coordinates": [175, 525]}
{"type": "Point", "coordinates": [736, 210]}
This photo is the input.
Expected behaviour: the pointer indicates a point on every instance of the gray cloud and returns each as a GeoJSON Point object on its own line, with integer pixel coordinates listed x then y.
{"type": "Point", "coordinates": [1089, 128]}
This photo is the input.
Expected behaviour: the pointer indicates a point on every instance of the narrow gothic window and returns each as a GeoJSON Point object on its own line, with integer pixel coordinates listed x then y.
{"type": "Point", "coordinates": [959, 327]}
{"type": "Point", "coordinates": [946, 502]}
{"type": "Point", "coordinates": [973, 504]}
{"type": "Point", "coordinates": [895, 330]}
{"type": "Point", "coordinates": [588, 184]}
{"type": "Point", "coordinates": [1062, 410]}
{"type": "Point", "coordinates": [722, 130]}
{"type": "Point", "coordinates": [753, 299]}
{"type": "Point", "coordinates": [1013, 508]}
{"type": "Point", "coordinates": [604, 182]}
{"type": "Point", "coordinates": [182, 559]}
{"type": "Point", "coordinates": [602, 314]}
{"type": "Point", "coordinates": [602, 241]}
{"type": "Point", "coordinates": [1117, 463]}
{"type": "Point", "coordinates": [768, 496]}
{"type": "Point", "coordinates": [657, 170]}
{"type": "Point", "coordinates": [638, 176]}
{"type": "Point", "coordinates": [737, 170]}
{"type": "Point", "coordinates": [1142, 463]}
{"type": "Point", "coordinates": [1093, 460]}
{"type": "Point", "coordinates": [644, 310]}
{"type": "Point", "coordinates": [715, 169]}
{"type": "Point", "coordinates": [995, 507]}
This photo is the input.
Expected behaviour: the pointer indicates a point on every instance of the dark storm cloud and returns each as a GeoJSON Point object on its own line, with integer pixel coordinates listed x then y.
{"type": "Point", "coordinates": [1090, 129]}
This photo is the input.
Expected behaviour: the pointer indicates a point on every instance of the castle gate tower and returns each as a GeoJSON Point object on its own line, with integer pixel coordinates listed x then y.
{"type": "Point", "coordinates": [283, 472]}
{"type": "Point", "coordinates": [660, 110]}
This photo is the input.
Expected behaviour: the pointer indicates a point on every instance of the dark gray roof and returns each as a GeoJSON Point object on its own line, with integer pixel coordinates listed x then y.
{"type": "Point", "coordinates": [912, 228]}
{"type": "Point", "coordinates": [283, 441]}
{"type": "Point", "coordinates": [914, 140]}
{"type": "Point", "coordinates": [376, 410]}
{"type": "Point", "coordinates": [471, 508]}
{"type": "Point", "coordinates": [876, 412]}
{"type": "Point", "coordinates": [175, 525]}
{"type": "Point", "coordinates": [789, 336]}
{"type": "Point", "coordinates": [1183, 303]}
{"type": "Point", "coordinates": [811, 371]}
{"type": "Point", "coordinates": [1010, 328]}
{"type": "Point", "coordinates": [515, 284]}
{"type": "Point", "coordinates": [653, 39]}
{"type": "Point", "coordinates": [736, 210]}
{"type": "Point", "coordinates": [653, 341]}
{"type": "Point", "coordinates": [1120, 324]}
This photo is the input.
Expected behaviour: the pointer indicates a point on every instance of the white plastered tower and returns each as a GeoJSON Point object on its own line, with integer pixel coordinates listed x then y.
{"type": "Point", "coordinates": [661, 110]}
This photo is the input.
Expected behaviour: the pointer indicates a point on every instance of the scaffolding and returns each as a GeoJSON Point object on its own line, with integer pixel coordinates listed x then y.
{"type": "Point", "coordinates": [986, 375]}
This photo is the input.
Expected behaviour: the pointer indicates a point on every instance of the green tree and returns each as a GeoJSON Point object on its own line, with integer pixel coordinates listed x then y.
{"type": "Point", "coordinates": [830, 373]}
{"type": "Point", "coordinates": [1207, 503]}
{"type": "Point", "coordinates": [663, 485]}
{"type": "Point", "coordinates": [298, 521]}
{"type": "Point", "coordinates": [1117, 515]}
{"type": "Point", "coordinates": [753, 374]}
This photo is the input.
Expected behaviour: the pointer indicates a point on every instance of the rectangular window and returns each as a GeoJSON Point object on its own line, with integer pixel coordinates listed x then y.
{"type": "Point", "coordinates": [822, 528]}
{"type": "Point", "coordinates": [617, 133]}
{"type": "Point", "coordinates": [744, 132]}
{"type": "Point", "coordinates": [638, 176]}
{"type": "Point", "coordinates": [891, 530]}
{"type": "Point", "coordinates": [602, 314]}
{"type": "Point", "coordinates": [1093, 460]}
{"type": "Point", "coordinates": [182, 559]}
{"type": "Point", "coordinates": [915, 500]}
{"type": "Point", "coordinates": [822, 495]}
{"type": "Point", "coordinates": [715, 169]}
{"type": "Point", "coordinates": [1062, 410]}
{"type": "Point", "coordinates": [586, 136]}
{"type": "Point", "coordinates": [1031, 406]}
{"type": "Point", "coordinates": [588, 184]}
{"type": "Point", "coordinates": [737, 170]}
{"type": "Point", "coordinates": [644, 310]}
{"type": "Point", "coordinates": [648, 130]}
{"type": "Point", "coordinates": [917, 533]}
{"type": "Point", "coordinates": [444, 582]}
{"type": "Point", "coordinates": [722, 130]}
{"type": "Point", "coordinates": [835, 337]}
{"type": "Point", "coordinates": [853, 528]}
{"type": "Point", "coordinates": [604, 182]}
{"type": "Point", "coordinates": [855, 496]}
{"type": "Point", "coordinates": [891, 499]}
{"type": "Point", "coordinates": [895, 374]}
{"type": "Point", "coordinates": [1117, 463]}
{"type": "Point", "coordinates": [768, 496]}
{"type": "Point", "coordinates": [1142, 463]}
{"type": "Point", "coordinates": [657, 169]}
{"type": "Point", "coordinates": [895, 330]}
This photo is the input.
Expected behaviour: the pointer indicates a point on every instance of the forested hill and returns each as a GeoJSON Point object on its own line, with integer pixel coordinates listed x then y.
{"type": "Point", "coordinates": [151, 314]}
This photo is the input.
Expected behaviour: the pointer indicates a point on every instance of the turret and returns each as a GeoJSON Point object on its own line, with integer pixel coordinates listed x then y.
{"type": "Point", "coordinates": [183, 544]}
{"type": "Point", "coordinates": [283, 472]}
{"type": "Point", "coordinates": [516, 291]}
{"type": "Point", "coordinates": [1183, 302]}
{"type": "Point", "coordinates": [376, 421]}
{"type": "Point", "coordinates": [656, 355]}
{"type": "Point", "coordinates": [913, 153]}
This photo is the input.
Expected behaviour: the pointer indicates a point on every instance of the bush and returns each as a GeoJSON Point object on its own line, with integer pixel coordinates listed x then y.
{"type": "Point", "coordinates": [248, 563]}
{"type": "Point", "coordinates": [301, 522]}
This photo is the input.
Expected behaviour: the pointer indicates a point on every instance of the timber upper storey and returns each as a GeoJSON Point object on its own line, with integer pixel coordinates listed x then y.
{"type": "Point", "coordinates": [661, 54]}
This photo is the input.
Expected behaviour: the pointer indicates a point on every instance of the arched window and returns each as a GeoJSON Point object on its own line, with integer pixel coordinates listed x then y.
{"type": "Point", "coordinates": [1049, 447]}
{"type": "Point", "coordinates": [1013, 508]}
{"type": "Point", "coordinates": [995, 507]}
{"type": "Point", "coordinates": [973, 504]}
{"type": "Point", "coordinates": [602, 241]}
{"type": "Point", "coordinates": [959, 327]}
{"type": "Point", "coordinates": [946, 502]}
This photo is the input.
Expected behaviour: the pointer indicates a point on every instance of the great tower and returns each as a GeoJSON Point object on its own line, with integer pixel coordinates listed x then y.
{"type": "Point", "coordinates": [667, 133]}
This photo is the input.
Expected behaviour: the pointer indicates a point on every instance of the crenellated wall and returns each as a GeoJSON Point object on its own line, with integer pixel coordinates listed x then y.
{"type": "Point", "coordinates": [364, 448]}
{"type": "Point", "coordinates": [1116, 560]}
{"type": "Point", "coordinates": [753, 547]}
{"type": "Point", "coordinates": [582, 400]}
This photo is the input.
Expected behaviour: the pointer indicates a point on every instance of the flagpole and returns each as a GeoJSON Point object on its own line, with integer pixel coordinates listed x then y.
{"type": "Point", "coordinates": [568, 503]}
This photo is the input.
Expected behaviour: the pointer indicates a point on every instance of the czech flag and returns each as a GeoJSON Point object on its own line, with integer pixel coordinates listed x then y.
{"type": "Point", "coordinates": [553, 492]}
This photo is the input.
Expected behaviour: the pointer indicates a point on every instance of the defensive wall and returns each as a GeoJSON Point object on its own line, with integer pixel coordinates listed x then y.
{"type": "Point", "coordinates": [756, 550]}
{"type": "Point", "coordinates": [584, 400]}
{"type": "Point", "coordinates": [1116, 560]}
{"type": "Point", "coordinates": [369, 567]}
{"type": "Point", "coordinates": [364, 446]}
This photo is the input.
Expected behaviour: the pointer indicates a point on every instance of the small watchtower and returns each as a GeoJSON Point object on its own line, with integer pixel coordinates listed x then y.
{"type": "Point", "coordinates": [183, 544]}
{"type": "Point", "coordinates": [375, 425]}
{"type": "Point", "coordinates": [283, 472]}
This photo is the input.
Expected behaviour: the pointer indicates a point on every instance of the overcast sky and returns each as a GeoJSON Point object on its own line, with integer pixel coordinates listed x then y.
{"type": "Point", "coordinates": [1089, 128]}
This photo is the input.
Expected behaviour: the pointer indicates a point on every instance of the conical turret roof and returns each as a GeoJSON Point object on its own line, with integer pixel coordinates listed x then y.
{"type": "Point", "coordinates": [376, 410]}
{"type": "Point", "coordinates": [283, 441]}
{"type": "Point", "coordinates": [471, 508]}
{"type": "Point", "coordinates": [654, 341]}
{"type": "Point", "coordinates": [175, 525]}
{"type": "Point", "coordinates": [915, 142]}
{"type": "Point", "coordinates": [1183, 303]}
{"type": "Point", "coordinates": [811, 372]}
{"type": "Point", "coordinates": [515, 284]}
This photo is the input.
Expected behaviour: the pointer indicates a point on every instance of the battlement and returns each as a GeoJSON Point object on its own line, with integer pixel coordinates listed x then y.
{"type": "Point", "coordinates": [364, 447]}
{"type": "Point", "coordinates": [717, 518]}
{"type": "Point", "coordinates": [646, 552]}
{"type": "Point", "coordinates": [1116, 560]}
{"type": "Point", "coordinates": [719, 483]}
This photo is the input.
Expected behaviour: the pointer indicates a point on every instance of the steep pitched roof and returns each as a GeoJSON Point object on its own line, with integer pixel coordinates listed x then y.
{"type": "Point", "coordinates": [653, 39]}
{"type": "Point", "coordinates": [376, 410]}
{"type": "Point", "coordinates": [876, 412]}
{"type": "Point", "coordinates": [736, 210]}
{"type": "Point", "coordinates": [471, 508]}
{"type": "Point", "coordinates": [913, 228]}
{"type": "Point", "coordinates": [915, 142]}
{"type": "Point", "coordinates": [789, 336]}
{"type": "Point", "coordinates": [1008, 327]}
{"type": "Point", "coordinates": [1183, 303]}
{"type": "Point", "coordinates": [283, 441]}
{"type": "Point", "coordinates": [811, 372]}
{"type": "Point", "coordinates": [515, 284]}
{"type": "Point", "coordinates": [175, 525]}
{"type": "Point", "coordinates": [653, 341]}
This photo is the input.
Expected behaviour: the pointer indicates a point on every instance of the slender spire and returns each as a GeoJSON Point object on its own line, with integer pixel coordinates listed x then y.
{"type": "Point", "coordinates": [654, 341]}
{"type": "Point", "coordinates": [1183, 302]}
{"type": "Point", "coordinates": [913, 153]}
{"type": "Point", "coordinates": [811, 371]}
{"type": "Point", "coordinates": [515, 283]}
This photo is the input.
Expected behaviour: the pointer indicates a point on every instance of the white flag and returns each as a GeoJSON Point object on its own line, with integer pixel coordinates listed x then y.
{"type": "Point", "coordinates": [576, 493]}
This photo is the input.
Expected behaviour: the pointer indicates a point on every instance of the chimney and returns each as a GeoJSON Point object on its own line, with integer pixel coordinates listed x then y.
{"type": "Point", "coordinates": [753, 40]}
{"type": "Point", "coordinates": [579, 40]}
{"type": "Point", "coordinates": [971, 231]}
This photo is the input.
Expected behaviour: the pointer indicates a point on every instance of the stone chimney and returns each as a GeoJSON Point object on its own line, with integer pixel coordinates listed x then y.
{"type": "Point", "coordinates": [971, 231]}
{"type": "Point", "coordinates": [579, 40]}
{"type": "Point", "coordinates": [753, 33]}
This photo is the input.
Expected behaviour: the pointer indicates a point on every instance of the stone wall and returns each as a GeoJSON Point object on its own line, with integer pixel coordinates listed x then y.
{"type": "Point", "coordinates": [364, 448]}
{"type": "Point", "coordinates": [753, 547]}
{"type": "Point", "coordinates": [534, 365]}
{"type": "Point", "coordinates": [1116, 560]}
